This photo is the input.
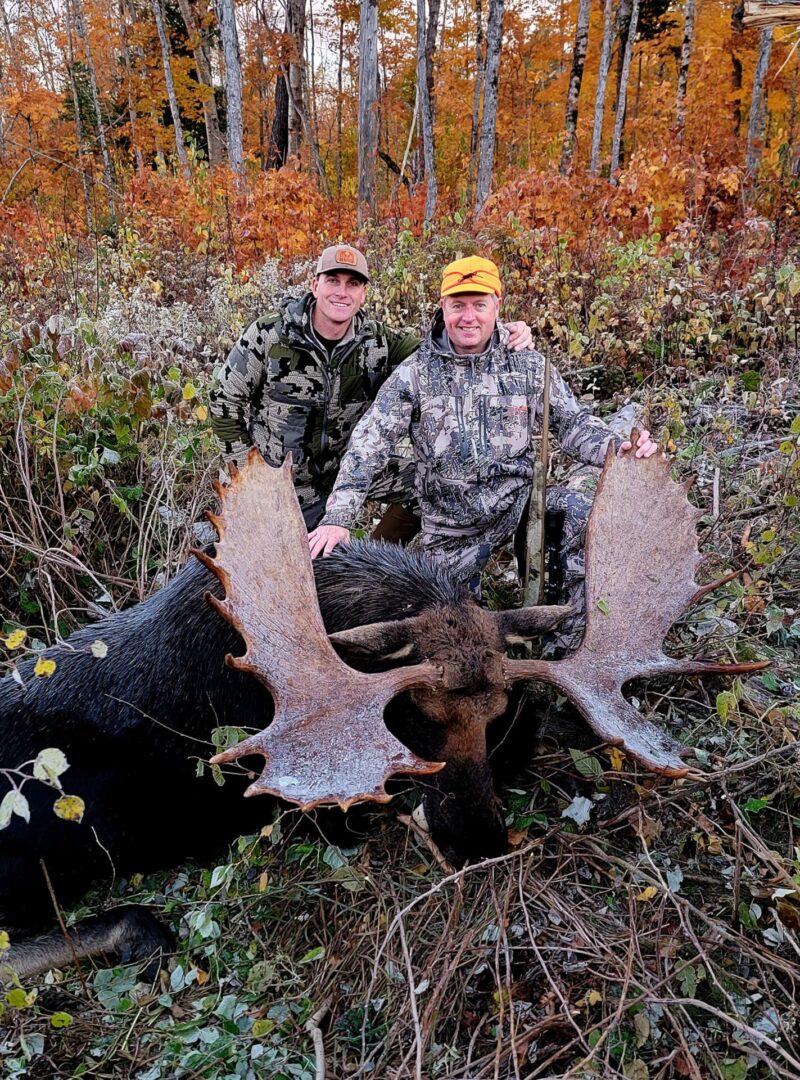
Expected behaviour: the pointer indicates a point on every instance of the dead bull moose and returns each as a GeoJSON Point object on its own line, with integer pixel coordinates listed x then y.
{"type": "Point", "coordinates": [128, 723]}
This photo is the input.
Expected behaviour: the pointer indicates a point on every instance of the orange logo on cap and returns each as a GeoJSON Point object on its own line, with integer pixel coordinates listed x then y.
{"type": "Point", "coordinates": [346, 256]}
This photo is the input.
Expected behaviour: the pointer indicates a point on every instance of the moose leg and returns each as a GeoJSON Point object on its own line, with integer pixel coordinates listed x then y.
{"type": "Point", "coordinates": [130, 932]}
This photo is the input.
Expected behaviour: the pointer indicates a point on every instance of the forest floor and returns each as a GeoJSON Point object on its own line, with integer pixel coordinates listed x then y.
{"type": "Point", "coordinates": [639, 927]}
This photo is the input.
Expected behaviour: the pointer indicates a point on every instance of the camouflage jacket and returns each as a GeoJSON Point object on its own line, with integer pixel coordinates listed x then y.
{"type": "Point", "coordinates": [471, 420]}
{"type": "Point", "coordinates": [279, 390]}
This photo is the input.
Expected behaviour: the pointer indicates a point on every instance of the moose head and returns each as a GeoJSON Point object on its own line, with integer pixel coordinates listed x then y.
{"type": "Point", "coordinates": [329, 743]}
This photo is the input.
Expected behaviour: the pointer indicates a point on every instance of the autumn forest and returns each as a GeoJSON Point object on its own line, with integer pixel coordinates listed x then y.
{"type": "Point", "coordinates": [114, 112]}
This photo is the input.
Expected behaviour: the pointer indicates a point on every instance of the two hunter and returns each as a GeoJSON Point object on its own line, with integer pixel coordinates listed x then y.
{"type": "Point", "coordinates": [319, 374]}
{"type": "Point", "coordinates": [300, 378]}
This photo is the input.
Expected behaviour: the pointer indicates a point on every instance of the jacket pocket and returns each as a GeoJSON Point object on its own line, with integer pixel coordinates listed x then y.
{"type": "Point", "coordinates": [507, 428]}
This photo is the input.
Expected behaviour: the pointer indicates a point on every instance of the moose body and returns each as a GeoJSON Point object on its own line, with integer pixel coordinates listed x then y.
{"type": "Point", "coordinates": [134, 724]}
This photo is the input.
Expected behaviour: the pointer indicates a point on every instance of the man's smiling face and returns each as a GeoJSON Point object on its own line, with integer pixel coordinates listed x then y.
{"type": "Point", "coordinates": [470, 319]}
{"type": "Point", "coordinates": [339, 295]}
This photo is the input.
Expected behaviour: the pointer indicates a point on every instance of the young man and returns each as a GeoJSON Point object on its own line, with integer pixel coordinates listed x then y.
{"type": "Point", "coordinates": [301, 378]}
{"type": "Point", "coordinates": [471, 407]}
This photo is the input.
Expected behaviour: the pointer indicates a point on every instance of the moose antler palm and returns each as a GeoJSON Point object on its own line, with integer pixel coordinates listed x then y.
{"type": "Point", "coordinates": [641, 560]}
{"type": "Point", "coordinates": [328, 742]}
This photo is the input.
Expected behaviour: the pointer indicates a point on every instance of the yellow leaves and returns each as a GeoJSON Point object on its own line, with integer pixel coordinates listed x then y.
{"type": "Point", "coordinates": [44, 667]}
{"type": "Point", "coordinates": [189, 392]}
{"type": "Point", "coordinates": [594, 997]}
{"type": "Point", "coordinates": [69, 808]}
{"type": "Point", "coordinates": [263, 879]}
{"type": "Point", "coordinates": [15, 639]}
{"type": "Point", "coordinates": [728, 180]}
{"type": "Point", "coordinates": [201, 413]}
{"type": "Point", "coordinates": [646, 894]}
{"type": "Point", "coordinates": [616, 757]}
{"type": "Point", "coordinates": [5, 942]}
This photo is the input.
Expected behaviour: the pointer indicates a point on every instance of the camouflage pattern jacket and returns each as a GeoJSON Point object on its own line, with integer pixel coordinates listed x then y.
{"type": "Point", "coordinates": [279, 390]}
{"type": "Point", "coordinates": [472, 420]}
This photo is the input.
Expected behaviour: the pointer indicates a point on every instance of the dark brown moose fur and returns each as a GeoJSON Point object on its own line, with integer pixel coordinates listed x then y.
{"type": "Point", "coordinates": [134, 724]}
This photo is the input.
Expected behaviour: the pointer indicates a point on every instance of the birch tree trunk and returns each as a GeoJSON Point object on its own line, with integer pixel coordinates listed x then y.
{"type": "Point", "coordinates": [339, 72]}
{"type": "Point", "coordinates": [426, 111]}
{"type": "Point", "coordinates": [600, 95]}
{"type": "Point", "coordinates": [683, 71]}
{"type": "Point", "coordinates": [108, 172]}
{"type": "Point", "coordinates": [126, 59]}
{"type": "Point", "coordinates": [233, 84]}
{"type": "Point", "coordinates": [755, 128]}
{"type": "Point", "coordinates": [78, 125]}
{"type": "Point", "coordinates": [367, 110]}
{"type": "Point", "coordinates": [155, 6]}
{"type": "Point", "coordinates": [622, 97]}
{"type": "Point", "coordinates": [476, 102]}
{"type": "Point", "coordinates": [491, 80]}
{"type": "Point", "coordinates": [202, 64]}
{"type": "Point", "coordinates": [574, 90]}
{"type": "Point", "coordinates": [296, 27]}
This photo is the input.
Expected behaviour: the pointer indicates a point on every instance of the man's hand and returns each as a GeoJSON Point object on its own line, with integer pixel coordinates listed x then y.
{"type": "Point", "coordinates": [519, 336]}
{"type": "Point", "coordinates": [323, 539]}
{"type": "Point", "coordinates": [645, 447]}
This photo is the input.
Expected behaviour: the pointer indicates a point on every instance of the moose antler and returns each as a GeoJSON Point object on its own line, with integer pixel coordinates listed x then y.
{"type": "Point", "coordinates": [328, 742]}
{"type": "Point", "coordinates": [641, 559]}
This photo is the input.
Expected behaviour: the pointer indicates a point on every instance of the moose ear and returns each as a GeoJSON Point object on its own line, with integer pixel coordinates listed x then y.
{"type": "Point", "coordinates": [381, 640]}
{"type": "Point", "coordinates": [518, 625]}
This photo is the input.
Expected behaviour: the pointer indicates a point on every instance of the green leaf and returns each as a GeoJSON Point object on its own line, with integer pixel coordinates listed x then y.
{"type": "Point", "coordinates": [733, 1070]}
{"type": "Point", "coordinates": [17, 998]}
{"type": "Point", "coordinates": [61, 1020]}
{"type": "Point", "coordinates": [261, 1028]}
{"type": "Point", "coordinates": [754, 806]}
{"type": "Point", "coordinates": [586, 764]}
{"type": "Point", "coordinates": [769, 681]}
{"type": "Point", "coordinates": [726, 704]}
{"type": "Point", "coordinates": [602, 605]}
{"type": "Point", "coordinates": [312, 955]}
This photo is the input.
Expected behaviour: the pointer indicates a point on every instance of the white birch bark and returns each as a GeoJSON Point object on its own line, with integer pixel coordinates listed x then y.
{"type": "Point", "coordinates": [602, 83]}
{"type": "Point", "coordinates": [426, 111]}
{"type": "Point", "coordinates": [180, 146]}
{"type": "Point", "coordinates": [755, 128]}
{"type": "Point", "coordinates": [622, 98]}
{"type": "Point", "coordinates": [202, 64]}
{"type": "Point", "coordinates": [574, 89]}
{"type": "Point", "coordinates": [476, 102]}
{"type": "Point", "coordinates": [233, 84]}
{"type": "Point", "coordinates": [491, 80]}
{"type": "Point", "coordinates": [78, 125]}
{"type": "Point", "coordinates": [108, 172]}
{"type": "Point", "coordinates": [683, 71]}
{"type": "Point", "coordinates": [367, 110]}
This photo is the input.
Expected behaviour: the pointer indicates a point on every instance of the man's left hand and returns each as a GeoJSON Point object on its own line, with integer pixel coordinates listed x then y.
{"type": "Point", "coordinates": [645, 447]}
{"type": "Point", "coordinates": [519, 336]}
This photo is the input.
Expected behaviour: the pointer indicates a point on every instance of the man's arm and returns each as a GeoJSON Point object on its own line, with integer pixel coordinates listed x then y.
{"type": "Point", "coordinates": [231, 400]}
{"type": "Point", "coordinates": [583, 435]}
{"type": "Point", "coordinates": [374, 437]}
{"type": "Point", "coordinates": [402, 343]}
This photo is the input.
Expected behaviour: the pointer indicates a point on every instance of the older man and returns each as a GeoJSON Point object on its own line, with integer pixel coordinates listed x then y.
{"type": "Point", "coordinates": [301, 377]}
{"type": "Point", "coordinates": [471, 407]}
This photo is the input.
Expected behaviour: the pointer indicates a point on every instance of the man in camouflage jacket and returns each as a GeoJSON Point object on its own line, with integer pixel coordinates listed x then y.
{"type": "Point", "coordinates": [471, 408]}
{"type": "Point", "coordinates": [300, 378]}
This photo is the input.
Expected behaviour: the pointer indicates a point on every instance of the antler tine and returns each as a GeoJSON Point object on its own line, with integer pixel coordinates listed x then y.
{"type": "Point", "coordinates": [634, 593]}
{"type": "Point", "coordinates": [327, 742]}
